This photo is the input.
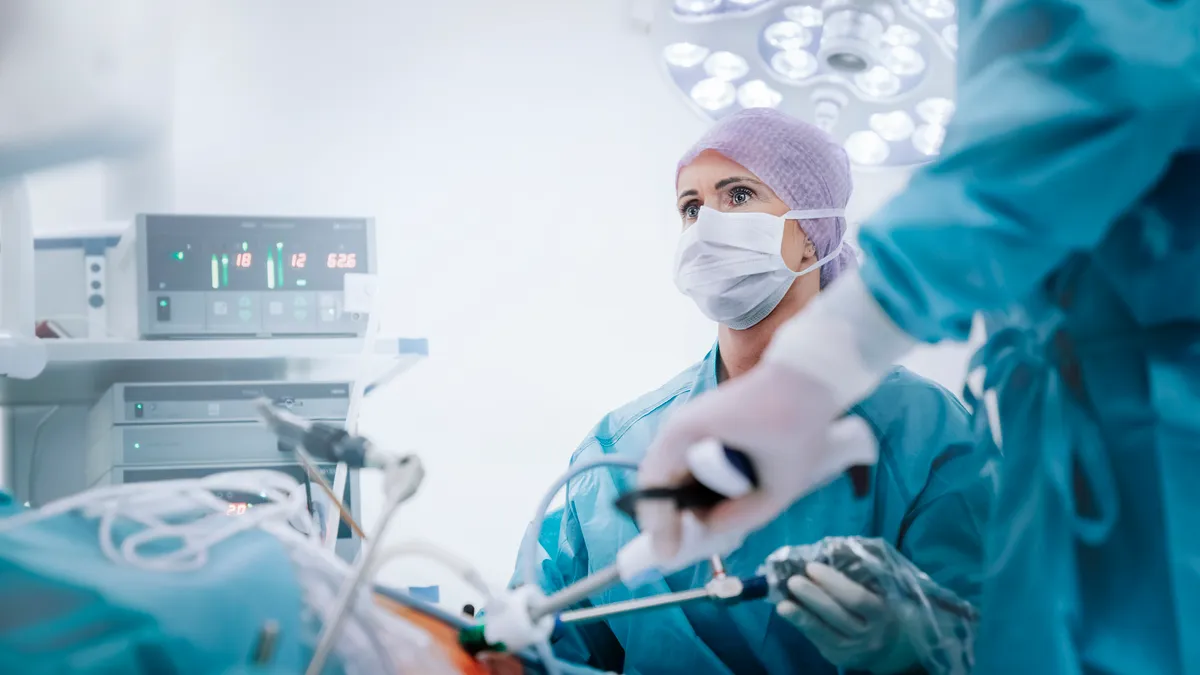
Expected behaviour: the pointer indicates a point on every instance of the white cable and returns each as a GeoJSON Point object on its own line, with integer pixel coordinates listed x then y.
{"type": "Point", "coordinates": [530, 573]}
{"type": "Point", "coordinates": [158, 507]}
{"type": "Point", "coordinates": [460, 567]}
{"type": "Point", "coordinates": [372, 640]}
{"type": "Point", "coordinates": [468, 574]}
{"type": "Point", "coordinates": [398, 491]}
{"type": "Point", "coordinates": [187, 511]}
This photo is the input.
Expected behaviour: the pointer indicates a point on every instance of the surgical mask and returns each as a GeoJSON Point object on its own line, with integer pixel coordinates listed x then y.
{"type": "Point", "coordinates": [731, 264]}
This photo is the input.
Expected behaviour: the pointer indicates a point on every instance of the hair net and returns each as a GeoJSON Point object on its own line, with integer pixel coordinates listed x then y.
{"type": "Point", "coordinates": [801, 163]}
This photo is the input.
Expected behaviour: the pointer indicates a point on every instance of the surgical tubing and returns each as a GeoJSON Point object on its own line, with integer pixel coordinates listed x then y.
{"type": "Point", "coordinates": [530, 573]}
{"type": "Point", "coordinates": [423, 549]}
{"type": "Point", "coordinates": [334, 618]}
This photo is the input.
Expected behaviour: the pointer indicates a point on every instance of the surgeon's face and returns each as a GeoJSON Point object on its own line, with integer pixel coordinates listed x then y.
{"type": "Point", "coordinates": [720, 183]}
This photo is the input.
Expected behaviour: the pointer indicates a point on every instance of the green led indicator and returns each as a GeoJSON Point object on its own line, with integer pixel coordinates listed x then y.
{"type": "Point", "coordinates": [136, 446]}
{"type": "Point", "coordinates": [245, 246]}
{"type": "Point", "coordinates": [178, 255]}
{"type": "Point", "coordinates": [138, 406]}
{"type": "Point", "coordinates": [162, 303]}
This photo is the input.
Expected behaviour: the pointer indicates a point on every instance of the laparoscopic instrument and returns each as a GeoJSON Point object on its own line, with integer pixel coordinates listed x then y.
{"type": "Point", "coordinates": [718, 473]}
{"type": "Point", "coordinates": [723, 589]}
{"type": "Point", "coordinates": [525, 616]}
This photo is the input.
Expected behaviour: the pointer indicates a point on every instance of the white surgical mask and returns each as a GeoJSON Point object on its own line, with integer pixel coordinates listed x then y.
{"type": "Point", "coordinates": [731, 264]}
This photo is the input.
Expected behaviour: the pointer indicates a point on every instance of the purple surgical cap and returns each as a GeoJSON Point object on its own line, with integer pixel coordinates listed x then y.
{"type": "Point", "coordinates": [801, 163]}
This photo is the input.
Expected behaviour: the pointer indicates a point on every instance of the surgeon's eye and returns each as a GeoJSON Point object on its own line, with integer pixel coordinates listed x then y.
{"type": "Point", "coordinates": [740, 195]}
{"type": "Point", "coordinates": [690, 210]}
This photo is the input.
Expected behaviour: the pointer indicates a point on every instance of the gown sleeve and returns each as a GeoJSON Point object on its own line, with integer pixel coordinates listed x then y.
{"type": "Point", "coordinates": [1069, 111]}
{"type": "Point", "coordinates": [941, 480]}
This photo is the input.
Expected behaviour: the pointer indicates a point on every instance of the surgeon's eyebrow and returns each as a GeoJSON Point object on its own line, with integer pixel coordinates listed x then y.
{"type": "Point", "coordinates": [726, 182]}
{"type": "Point", "coordinates": [723, 183]}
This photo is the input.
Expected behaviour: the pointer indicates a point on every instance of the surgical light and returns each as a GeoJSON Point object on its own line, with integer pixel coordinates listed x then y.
{"type": "Point", "coordinates": [901, 36]}
{"type": "Point", "coordinates": [884, 68]}
{"type": "Point", "coordinates": [878, 82]}
{"type": "Point", "coordinates": [714, 94]}
{"type": "Point", "coordinates": [867, 148]}
{"type": "Point", "coordinates": [758, 94]}
{"type": "Point", "coordinates": [726, 66]}
{"type": "Point", "coordinates": [684, 54]}
{"type": "Point", "coordinates": [950, 35]}
{"type": "Point", "coordinates": [795, 65]}
{"type": "Point", "coordinates": [849, 39]}
{"type": "Point", "coordinates": [805, 15]}
{"type": "Point", "coordinates": [893, 126]}
{"type": "Point", "coordinates": [788, 35]}
{"type": "Point", "coordinates": [904, 61]}
{"type": "Point", "coordinates": [934, 9]}
{"type": "Point", "coordinates": [696, 6]}
{"type": "Point", "coordinates": [936, 110]}
{"type": "Point", "coordinates": [927, 139]}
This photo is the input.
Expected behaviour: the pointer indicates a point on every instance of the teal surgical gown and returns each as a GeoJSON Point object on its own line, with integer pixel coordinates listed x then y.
{"type": "Point", "coordinates": [928, 496]}
{"type": "Point", "coordinates": [1066, 208]}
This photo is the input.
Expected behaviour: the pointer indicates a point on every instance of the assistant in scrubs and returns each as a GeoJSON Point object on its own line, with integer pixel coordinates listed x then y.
{"type": "Point", "coordinates": [761, 199]}
{"type": "Point", "coordinates": [1065, 208]}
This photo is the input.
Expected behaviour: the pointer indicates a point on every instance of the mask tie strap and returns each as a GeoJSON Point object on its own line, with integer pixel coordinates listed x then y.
{"type": "Point", "coordinates": [813, 215]}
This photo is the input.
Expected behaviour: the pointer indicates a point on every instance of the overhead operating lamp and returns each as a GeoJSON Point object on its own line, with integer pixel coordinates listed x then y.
{"type": "Point", "coordinates": [876, 74]}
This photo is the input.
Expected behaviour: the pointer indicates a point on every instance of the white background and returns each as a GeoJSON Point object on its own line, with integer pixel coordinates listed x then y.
{"type": "Point", "coordinates": [519, 159]}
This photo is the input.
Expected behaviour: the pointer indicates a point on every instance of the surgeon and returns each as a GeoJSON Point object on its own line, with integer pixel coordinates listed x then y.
{"type": "Point", "coordinates": [760, 199]}
{"type": "Point", "coordinates": [1064, 207]}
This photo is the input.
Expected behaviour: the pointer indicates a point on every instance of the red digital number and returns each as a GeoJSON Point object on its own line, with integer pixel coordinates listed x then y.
{"type": "Point", "coordinates": [236, 508]}
{"type": "Point", "coordinates": [343, 261]}
{"type": "Point", "coordinates": [298, 259]}
{"type": "Point", "coordinates": [243, 259]}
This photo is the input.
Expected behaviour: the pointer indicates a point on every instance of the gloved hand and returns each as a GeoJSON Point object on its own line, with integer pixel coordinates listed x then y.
{"type": "Point", "coordinates": [852, 627]}
{"type": "Point", "coordinates": [819, 363]}
{"type": "Point", "coordinates": [782, 421]}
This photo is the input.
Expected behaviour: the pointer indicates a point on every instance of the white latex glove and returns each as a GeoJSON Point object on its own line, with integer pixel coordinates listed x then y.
{"type": "Point", "coordinates": [821, 362]}
{"type": "Point", "coordinates": [780, 419]}
{"type": "Point", "coordinates": [851, 627]}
